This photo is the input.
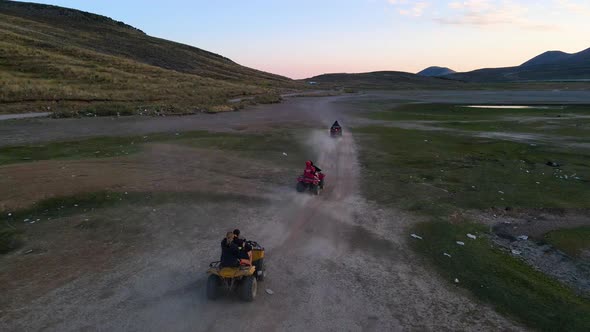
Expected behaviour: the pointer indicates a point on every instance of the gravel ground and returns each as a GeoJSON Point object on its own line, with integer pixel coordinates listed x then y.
{"type": "Point", "coordinates": [335, 262]}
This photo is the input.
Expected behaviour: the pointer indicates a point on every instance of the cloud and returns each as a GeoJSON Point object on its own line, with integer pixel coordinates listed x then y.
{"type": "Point", "coordinates": [410, 7]}
{"type": "Point", "coordinates": [491, 12]}
{"type": "Point", "coordinates": [573, 6]}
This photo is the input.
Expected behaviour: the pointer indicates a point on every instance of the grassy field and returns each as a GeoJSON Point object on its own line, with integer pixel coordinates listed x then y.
{"type": "Point", "coordinates": [450, 112]}
{"type": "Point", "coordinates": [571, 241]}
{"type": "Point", "coordinates": [57, 59]}
{"type": "Point", "coordinates": [263, 145]}
{"type": "Point", "coordinates": [512, 287]}
{"type": "Point", "coordinates": [392, 80]}
{"type": "Point", "coordinates": [267, 146]}
{"type": "Point", "coordinates": [440, 173]}
{"type": "Point", "coordinates": [13, 230]}
{"type": "Point", "coordinates": [436, 171]}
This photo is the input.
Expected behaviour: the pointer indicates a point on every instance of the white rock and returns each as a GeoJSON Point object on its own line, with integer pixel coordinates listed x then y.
{"type": "Point", "coordinates": [269, 291]}
{"type": "Point", "coordinates": [456, 280]}
{"type": "Point", "coordinates": [523, 237]}
{"type": "Point", "coordinates": [416, 236]}
{"type": "Point", "coordinates": [448, 255]}
{"type": "Point", "coordinates": [471, 236]}
{"type": "Point", "coordinates": [516, 252]}
{"type": "Point", "coordinates": [460, 243]}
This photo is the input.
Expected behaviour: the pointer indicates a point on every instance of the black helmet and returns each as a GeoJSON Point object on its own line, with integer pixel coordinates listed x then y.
{"type": "Point", "coordinates": [236, 232]}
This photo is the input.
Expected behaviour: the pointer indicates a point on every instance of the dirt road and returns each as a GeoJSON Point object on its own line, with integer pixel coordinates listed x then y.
{"type": "Point", "coordinates": [335, 262]}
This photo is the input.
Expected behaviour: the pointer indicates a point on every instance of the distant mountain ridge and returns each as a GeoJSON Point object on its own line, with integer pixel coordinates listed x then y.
{"type": "Point", "coordinates": [548, 66]}
{"type": "Point", "coordinates": [435, 71]}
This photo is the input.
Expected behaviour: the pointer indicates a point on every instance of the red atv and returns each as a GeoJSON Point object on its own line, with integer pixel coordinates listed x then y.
{"type": "Point", "coordinates": [315, 184]}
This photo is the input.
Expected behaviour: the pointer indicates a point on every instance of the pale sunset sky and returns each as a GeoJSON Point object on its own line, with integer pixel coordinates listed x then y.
{"type": "Point", "coordinates": [304, 38]}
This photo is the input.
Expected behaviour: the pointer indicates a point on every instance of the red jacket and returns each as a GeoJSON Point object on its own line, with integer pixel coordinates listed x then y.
{"type": "Point", "coordinates": [309, 172]}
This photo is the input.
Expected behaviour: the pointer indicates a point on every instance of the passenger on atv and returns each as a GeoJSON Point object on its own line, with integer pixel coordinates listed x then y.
{"type": "Point", "coordinates": [318, 173]}
{"type": "Point", "coordinates": [233, 255]}
{"type": "Point", "coordinates": [245, 249]}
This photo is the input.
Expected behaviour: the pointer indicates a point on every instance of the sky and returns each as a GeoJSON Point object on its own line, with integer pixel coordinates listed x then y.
{"type": "Point", "coordinates": [303, 38]}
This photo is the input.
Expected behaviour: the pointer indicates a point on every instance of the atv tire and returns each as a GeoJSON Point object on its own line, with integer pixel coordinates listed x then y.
{"type": "Point", "coordinates": [248, 289]}
{"type": "Point", "coordinates": [300, 187]}
{"type": "Point", "coordinates": [213, 287]}
{"type": "Point", "coordinates": [260, 269]}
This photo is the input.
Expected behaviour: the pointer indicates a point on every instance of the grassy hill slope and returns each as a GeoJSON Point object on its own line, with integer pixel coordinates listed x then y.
{"type": "Point", "coordinates": [381, 80]}
{"type": "Point", "coordinates": [58, 58]}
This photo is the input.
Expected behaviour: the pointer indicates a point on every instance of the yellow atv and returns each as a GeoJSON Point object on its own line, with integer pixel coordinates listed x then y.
{"type": "Point", "coordinates": [244, 279]}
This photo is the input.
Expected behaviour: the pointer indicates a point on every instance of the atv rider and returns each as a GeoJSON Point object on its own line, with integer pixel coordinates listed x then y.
{"type": "Point", "coordinates": [312, 171]}
{"type": "Point", "coordinates": [336, 129]}
{"type": "Point", "coordinates": [229, 251]}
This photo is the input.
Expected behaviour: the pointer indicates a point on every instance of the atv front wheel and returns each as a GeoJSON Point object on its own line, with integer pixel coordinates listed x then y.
{"type": "Point", "coordinates": [300, 187]}
{"type": "Point", "coordinates": [249, 289]}
{"type": "Point", "coordinates": [213, 287]}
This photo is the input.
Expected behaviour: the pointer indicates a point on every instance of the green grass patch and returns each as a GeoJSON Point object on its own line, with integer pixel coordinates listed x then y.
{"type": "Point", "coordinates": [439, 171]}
{"type": "Point", "coordinates": [451, 112]}
{"type": "Point", "coordinates": [269, 145]}
{"type": "Point", "coordinates": [9, 238]}
{"type": "Point", "coordinates": [101, 147]}
{"type": "Point", "coordinates": [513, 287]}
{"type": "Point", "coordinates": [12, 223]}
{"type": "Point", "coordinates": [571, 241]}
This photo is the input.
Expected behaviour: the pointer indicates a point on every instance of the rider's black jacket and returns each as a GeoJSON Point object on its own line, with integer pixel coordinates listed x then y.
{"type": "Point", "coordinates": [229, 254]}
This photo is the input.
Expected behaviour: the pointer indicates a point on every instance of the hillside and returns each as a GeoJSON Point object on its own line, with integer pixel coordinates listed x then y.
{"type": "Point", "coordinates": [380, 80]}
{"type": "Point", "coordinates": [549, 66]}
{"type": "Point", "coordinates": [547, 58]}
{"type": "Point", "coordinates": [435, 71]}
{"type": "Point", "coordinates": [68, 59]}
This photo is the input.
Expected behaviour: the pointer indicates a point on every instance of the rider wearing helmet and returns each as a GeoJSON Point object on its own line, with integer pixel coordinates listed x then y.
{"type": "Point", "coordinates": [312, 171]}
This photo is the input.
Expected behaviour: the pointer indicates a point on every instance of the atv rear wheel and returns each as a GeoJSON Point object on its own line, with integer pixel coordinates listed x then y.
{"type": "Point", "coordinates": [300, 187]}
{"type": "Point", "coordinates": [248, 289]}
{"type": "Point", "coordinates": [213, 287]}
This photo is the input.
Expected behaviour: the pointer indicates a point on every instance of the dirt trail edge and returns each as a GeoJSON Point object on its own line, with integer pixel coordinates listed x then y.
{"type": "Point", "coordinates": [335, 263]}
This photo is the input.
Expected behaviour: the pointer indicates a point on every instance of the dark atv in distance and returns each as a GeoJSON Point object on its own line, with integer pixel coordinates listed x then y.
{"type": "Point", "coordinates": [336, 130]}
